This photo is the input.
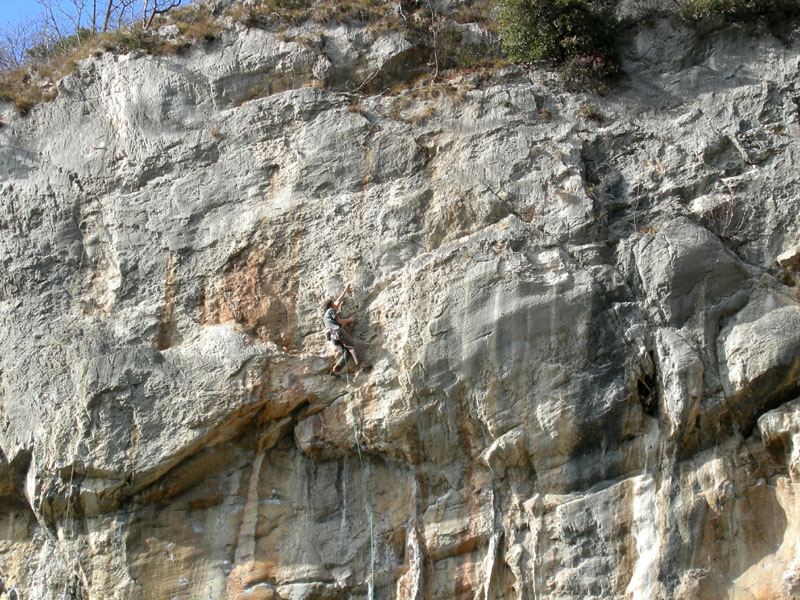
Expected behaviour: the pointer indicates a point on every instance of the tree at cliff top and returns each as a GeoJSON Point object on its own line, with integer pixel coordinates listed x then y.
{"type": "Point", "coordinates": [572, 33]}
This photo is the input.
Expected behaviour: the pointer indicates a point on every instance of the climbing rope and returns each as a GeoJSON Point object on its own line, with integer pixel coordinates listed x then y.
{"type": "Point", "coordinates": [365, 482]}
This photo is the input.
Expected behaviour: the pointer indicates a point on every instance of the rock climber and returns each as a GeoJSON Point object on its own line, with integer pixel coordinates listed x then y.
{"type": "Point", "coordinates": [334, 332]}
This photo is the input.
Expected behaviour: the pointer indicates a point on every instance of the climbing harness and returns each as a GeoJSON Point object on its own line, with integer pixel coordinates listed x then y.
{"type": "Point", "coordinates": [367, 498]}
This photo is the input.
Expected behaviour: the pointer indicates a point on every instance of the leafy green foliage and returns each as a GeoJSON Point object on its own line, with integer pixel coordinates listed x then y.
{"type": "Point", "coordinates": [575, 34]}
{"type": "Point", "coordinates": [555, 30]}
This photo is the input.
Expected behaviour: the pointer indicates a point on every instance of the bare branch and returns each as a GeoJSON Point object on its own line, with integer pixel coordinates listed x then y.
{"type": "Point", "coordinates": [13, 45]}
{"type": "Point", "coordinates": [50, 18]}
{"type": "Point", "coordinates": [75, 17]}
{"type": "Point", "coordinates": [159, 7]}
{"type": "Point", "coordinates": [109, 11]}
{"type": "Point", "coordinates": [17, 40]}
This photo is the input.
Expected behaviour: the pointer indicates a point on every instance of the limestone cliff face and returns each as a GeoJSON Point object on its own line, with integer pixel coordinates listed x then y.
{"type": "Point", "coordinates": [583, 315]}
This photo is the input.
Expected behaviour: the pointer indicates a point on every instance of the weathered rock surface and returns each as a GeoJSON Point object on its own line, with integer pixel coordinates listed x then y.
{"type": "Point", "coordinates": [583, 315]}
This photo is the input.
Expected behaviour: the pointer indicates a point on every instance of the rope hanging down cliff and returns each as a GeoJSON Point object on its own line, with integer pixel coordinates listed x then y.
{"type": "Point", "coordinates": [335, 333]}
{"type": "Point", "coordinates": [365, 482]}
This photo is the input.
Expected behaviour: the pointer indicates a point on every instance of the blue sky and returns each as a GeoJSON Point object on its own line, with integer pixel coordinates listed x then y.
{"type": "Point", "coordinates": [12, 10]}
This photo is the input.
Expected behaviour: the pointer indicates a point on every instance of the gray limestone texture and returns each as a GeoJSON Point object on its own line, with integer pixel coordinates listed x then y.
{"type": "Point", "coordinates": [583, 314]}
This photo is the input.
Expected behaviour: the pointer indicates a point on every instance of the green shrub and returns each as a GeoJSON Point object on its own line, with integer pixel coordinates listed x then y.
{"type": "Point", "coordinates": [555, 30]}
{"type": "Point", "coordinates": [574, 34]}
{"type": "Point", "coordinates": [739, 10]}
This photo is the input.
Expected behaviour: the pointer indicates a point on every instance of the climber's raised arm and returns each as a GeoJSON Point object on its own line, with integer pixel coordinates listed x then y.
{"type": "Point", "coordinates": [338, 302]}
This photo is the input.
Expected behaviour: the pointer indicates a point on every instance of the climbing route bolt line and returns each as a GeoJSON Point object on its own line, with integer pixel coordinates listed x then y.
{"type": "Point", "coordinates": [365, 482]}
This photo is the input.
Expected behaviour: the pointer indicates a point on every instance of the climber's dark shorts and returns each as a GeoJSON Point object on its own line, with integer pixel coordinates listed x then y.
{"type": "Point", "coordinates": [342, 339]}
